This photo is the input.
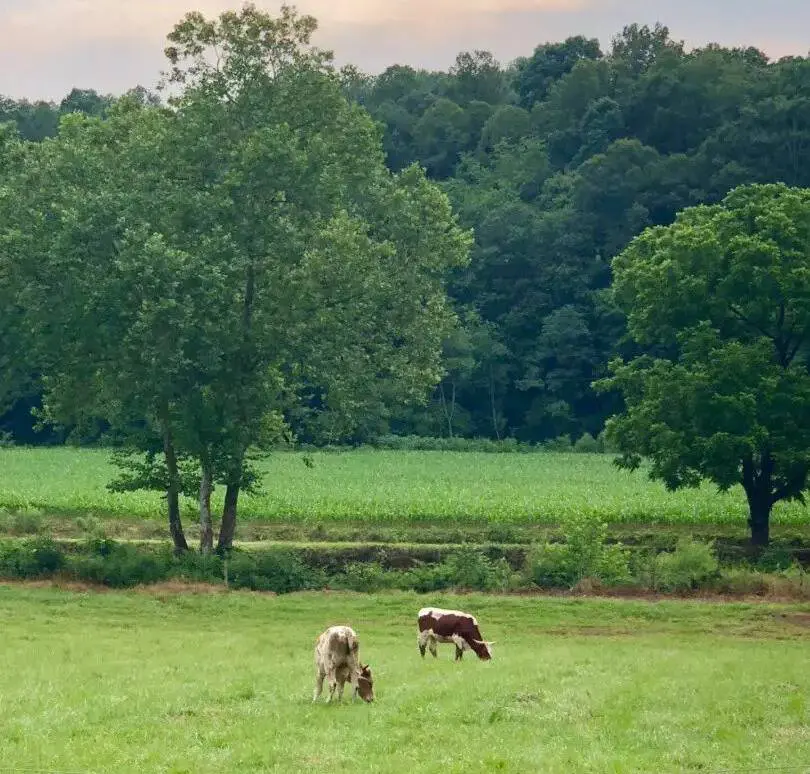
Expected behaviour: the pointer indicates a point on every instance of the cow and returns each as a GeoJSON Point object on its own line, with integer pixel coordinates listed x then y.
{"type": "Point", "coordinates": [437, 625]}
{"type": "Point", "coordinates": [337, 660]}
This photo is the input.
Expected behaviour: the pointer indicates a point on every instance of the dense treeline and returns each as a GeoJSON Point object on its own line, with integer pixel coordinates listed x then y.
{"type": "Point", "coordinates": [556, 161]}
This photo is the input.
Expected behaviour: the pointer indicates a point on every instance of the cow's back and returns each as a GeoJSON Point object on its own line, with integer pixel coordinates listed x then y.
{"type": "Point", "coordinates": [338, 645]}
{"type": "Point", "coordinates": [445, 623]}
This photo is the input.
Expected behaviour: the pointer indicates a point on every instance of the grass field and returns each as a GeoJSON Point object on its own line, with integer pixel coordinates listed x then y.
{"type": "Point", "coordinates": [163, 682]}
{"type": "Point", "coordinates": [384, 486]}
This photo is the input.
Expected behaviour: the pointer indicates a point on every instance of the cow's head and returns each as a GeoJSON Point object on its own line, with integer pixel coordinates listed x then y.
{"type": "Point", "coordinates": [482, 649]}
{"type": "Point", "coordinates": [365, 683]}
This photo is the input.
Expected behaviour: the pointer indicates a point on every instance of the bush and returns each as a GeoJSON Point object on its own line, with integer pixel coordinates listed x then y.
{"type": "Point", "coordinates": [587, 444]}
{"type": "Point", "coordinates": [91, 526]}
{"type": "Point", "coordinates": [469, 568]}
{"type": "Point", "coordinates": [690, 565]}
{"type": "Point", "coordinates": [35, 558]}
{"type": "Point", "coordinates": [585, 554]}
{"type": "Point", "coordinates": [425, 578]}
{"type": "Point", "coordinates": [560, 444]}
{"type": "Point", "coordinates": [367, 577]}
{"type": "Point", "coordinates": [28, 522]}
{"type": "Point", "coordinates": [606, 444]}
{"type": "Point", "coordinates": [550, 565]}
{"type": "Point", "coordinates": [279, 571]}
{"type": "Point", "coordinates": [742, 580]}
{"type": "Point", "coordinates": [775, 558]}
{"type": "Point", "coordinates": [425, 443]}
{"type": "Point", "coordinates": [120, 564]}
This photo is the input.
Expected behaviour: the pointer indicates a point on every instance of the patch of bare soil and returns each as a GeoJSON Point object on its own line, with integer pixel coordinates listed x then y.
{"type": "Point", "coordinates": [797, 619]}
{"type": "Point", "coordinates": [165, 588]}
{"type": "Point", "coordinates": [642, 594]}
{"type": "Point", "coordinates": [591, 631]}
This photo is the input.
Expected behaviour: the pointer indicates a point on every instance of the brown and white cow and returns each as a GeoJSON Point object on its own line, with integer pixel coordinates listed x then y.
{"type": "Point", "coordinates": [437, 625]}
{"type": "Point", "coordinates": [337, 660]}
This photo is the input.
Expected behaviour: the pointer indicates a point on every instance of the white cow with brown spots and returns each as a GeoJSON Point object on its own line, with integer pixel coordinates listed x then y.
{"type": "Point", "coordinates": [460, 628]}
{"type": "Point", "coordinates": [337, 661]}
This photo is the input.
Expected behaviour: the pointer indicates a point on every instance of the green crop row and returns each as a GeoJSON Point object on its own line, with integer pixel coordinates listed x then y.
{"type": "Point", "coordinates": [384, 486]}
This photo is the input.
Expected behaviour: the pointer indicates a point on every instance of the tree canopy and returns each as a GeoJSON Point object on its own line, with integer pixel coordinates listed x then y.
{"type": "Point", "coordinates": [720, 301]}
{"type": "Point", "coordinates": [203, 276]}
{"type": "Point", "coordinates": [556, 160]}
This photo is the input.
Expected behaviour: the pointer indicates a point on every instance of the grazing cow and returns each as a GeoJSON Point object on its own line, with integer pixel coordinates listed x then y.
{"type": "Point", "coordinates": [437, 625]}
{"type": "Point", "coordinates": [336, 659]}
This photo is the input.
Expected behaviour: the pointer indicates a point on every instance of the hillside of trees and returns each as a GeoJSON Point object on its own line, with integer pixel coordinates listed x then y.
{"type": "Point", "coordinates": [556, 161]}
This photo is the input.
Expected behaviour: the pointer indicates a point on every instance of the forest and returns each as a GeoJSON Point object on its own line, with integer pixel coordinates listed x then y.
{"type": "Point", "coordinates": [556, 161]}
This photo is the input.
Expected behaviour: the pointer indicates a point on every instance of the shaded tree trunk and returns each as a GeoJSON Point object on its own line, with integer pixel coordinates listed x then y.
{"type": "Point", "coordinates": [206, 527]}
{"type": "Point", "coordinates": [449, 412]}
{"type": "Point", "coordinates": [228, 527]}
{"type": "Point", "coordinates": [758, 485]}
{"type": "Point", "coordinates": [173, 489]}
{"type": "Point", "coordinates": [492, 403]}
{"type": "Point", "coordinates": [759, 519]}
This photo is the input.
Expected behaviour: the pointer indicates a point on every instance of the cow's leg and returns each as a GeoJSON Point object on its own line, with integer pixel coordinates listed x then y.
{"type": "Point", "coordinates": [341, 684]}
{"type": "Point", "coordinates": [422, 641]}
{"type": "Point", "coordinates": [432, 647]}
{"type": "Point", "coordinates": [332, 677]}
{"type": "Point", "coordinates": [318, 685]}
{"type": "Point", "coordinates": [459, 643]}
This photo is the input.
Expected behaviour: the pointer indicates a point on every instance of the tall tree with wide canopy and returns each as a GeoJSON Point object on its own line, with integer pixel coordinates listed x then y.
{"type": "Point", "coordinates": [722, 299]}
{"type": "Point", "coordinates": [241, 259]}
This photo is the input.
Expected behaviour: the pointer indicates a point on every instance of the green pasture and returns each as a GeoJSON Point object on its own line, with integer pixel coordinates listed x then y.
{"type": "Point", "coordinates": [384, 486]}
{"type": "Point", "coordinates": [165, 682]}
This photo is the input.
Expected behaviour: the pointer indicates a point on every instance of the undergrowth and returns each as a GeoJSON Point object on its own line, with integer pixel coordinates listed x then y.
{"type": "Point", "coordinates": [586, 563]}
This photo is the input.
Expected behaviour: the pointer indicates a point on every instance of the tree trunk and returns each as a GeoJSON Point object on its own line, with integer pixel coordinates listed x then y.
{"type": "Point", "coordinates": [492, 403]}
{"type": "Point", "coordinates": [448, 413]}
{"type": "Point", "coordinates": [228, 528]}
{"type": "Point", "coordinates": [759, 520]}
{"type": "Point", "coordinates": [173, 491]}
{"type": "Point", "coordinates": [206, 527]}
{"type": "Point", "coordinates": [757, 481]}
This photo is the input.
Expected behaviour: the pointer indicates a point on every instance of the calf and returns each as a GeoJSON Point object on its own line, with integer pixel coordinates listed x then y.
{"type": "Point", "coordinates": [336, 659]}
{"type": "Point", "coordinates": [437, 625]}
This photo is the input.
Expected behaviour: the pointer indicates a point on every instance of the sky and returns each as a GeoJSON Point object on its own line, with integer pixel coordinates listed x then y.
{"type": "Point", "coordinates": [49, 46]}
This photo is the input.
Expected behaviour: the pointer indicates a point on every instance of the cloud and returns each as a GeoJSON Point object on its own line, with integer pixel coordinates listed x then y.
{"type": "Point", "coordinates": [48, 24]}
{"type": "Point", "coordinates": [49, 46]}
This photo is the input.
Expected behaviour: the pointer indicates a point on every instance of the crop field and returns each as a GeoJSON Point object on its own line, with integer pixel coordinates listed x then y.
{"type": "Point", "coordinates": [168, 682]}
{"type": "Point", "coordinates": [386, 486]}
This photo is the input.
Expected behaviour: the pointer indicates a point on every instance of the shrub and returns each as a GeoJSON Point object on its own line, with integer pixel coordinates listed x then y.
{"type": "Point", "coordinates": [425, 578]}
{"type": "Point", "coordinates": [585, 554]}
{"type": "Point", "coordinates": [34, 558]}
{"type": "Point", "coordinates": [587, 444]}
{"type": "Point", "coordinates": [367, 577]}
{"type": "Point", "coordinates": [457, 443]}
{"type": "Point", "coordinates": [550, 565]}
{"type": "Point", "coordinates": [91, 526]}
{"type": "Point", "coordinates": [120, 564]}
{"type": "Point", "coordinates": [469, 568]}
{"type": "Point", "coordinates": [691, 564]}
{"type": "Point", "coordinates": [560, 444]}
{"type": "Point", "coordinates": [606, 444]}
{"type": "Point", "coordinates": [741, 580]}
{"type": "Point", "coordinates": [279, 571]}
{"type": "Point", "coordinates": [25, 523]}
{"type": "Point", "coordinates": [775, 558]}
{"type": "Point", "coordinates": [502, 533]}
{"type": "Point", "coordinates": [204, 568]}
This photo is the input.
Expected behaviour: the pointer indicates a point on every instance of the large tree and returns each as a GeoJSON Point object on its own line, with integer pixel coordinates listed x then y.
{"type": "Point", "coordinates": [720, 300]}
{"type": "Point", "coordinates": [206, 272]}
